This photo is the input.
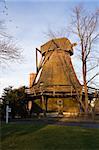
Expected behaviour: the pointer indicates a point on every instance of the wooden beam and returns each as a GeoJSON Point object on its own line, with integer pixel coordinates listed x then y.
{"type": "Point", "coordinates": [36, 61]}
{"type": "Point", "coordinates": [38, 50]}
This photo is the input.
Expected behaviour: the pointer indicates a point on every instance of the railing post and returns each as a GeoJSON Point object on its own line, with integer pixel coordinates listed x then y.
{"type": "Point", "coordinates": [71, 90]}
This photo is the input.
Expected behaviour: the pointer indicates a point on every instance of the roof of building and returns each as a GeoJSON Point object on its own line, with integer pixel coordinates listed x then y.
{"type": "Point", "coordinates": [59, 43]}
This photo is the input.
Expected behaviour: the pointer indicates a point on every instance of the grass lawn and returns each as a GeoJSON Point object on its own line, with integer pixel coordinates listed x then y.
{"type": "Point", "coordinates": [15, 136]}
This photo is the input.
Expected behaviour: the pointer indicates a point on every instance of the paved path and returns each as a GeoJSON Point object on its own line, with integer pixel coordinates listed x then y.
{"type": "Point", "coordinates": [87, 124]}
{"type": "Point", "coordinates": [80, 124]}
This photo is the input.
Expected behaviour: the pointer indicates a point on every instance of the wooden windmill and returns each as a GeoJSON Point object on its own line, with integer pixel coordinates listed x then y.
{"type": "Point", "coordinates": [56, 84]}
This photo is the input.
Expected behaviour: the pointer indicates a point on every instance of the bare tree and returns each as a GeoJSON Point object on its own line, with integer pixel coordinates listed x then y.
{"type": "Point", "coordinates": [86, 27]}
{"type": "Point", "coordinates": [8, 49]}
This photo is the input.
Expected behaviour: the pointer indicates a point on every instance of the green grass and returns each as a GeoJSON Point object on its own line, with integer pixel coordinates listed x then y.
{"type": "Point", "coordinates": [16, 136]}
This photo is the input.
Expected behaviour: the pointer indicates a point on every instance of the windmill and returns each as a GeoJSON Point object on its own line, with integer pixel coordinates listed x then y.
{"type": "Point", "coordinates": [55, 83]}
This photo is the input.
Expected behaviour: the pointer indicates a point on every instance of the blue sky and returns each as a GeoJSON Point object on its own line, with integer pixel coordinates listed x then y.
{"type": "Point", "coordinates": [28, 22]}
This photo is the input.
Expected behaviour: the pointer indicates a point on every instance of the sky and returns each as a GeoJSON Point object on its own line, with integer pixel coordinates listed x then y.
{"type": "Point", "coordinates": [29, 21]}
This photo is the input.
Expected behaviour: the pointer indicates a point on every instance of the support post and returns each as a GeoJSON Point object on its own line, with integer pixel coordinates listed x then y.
{"type": "Point", "coordinates": [46, 100]}
{"type": "Point", "coordinates": [44, 105]}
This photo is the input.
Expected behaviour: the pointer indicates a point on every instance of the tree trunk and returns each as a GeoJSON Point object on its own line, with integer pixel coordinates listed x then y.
{"type": "Point", "coordinates": [84, 70]}
{"type": "Point", "coordinates": [85, 88]}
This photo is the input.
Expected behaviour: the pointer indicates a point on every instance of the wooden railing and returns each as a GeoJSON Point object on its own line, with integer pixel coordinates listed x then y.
{"type": "Point", "coordinates": [53, 89]}
{"type": "Point", "coordinates": [59, 89]}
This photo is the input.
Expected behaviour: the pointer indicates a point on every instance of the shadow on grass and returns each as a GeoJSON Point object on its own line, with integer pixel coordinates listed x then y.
{"type": "Point", "coordinates": [19, 129]}
{"type": "Point", "coordinates": [41, 136]}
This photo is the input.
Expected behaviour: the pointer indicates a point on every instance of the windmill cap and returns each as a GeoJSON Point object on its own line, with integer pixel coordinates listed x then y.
{"type": "Point", "coordinates": [58, 43]}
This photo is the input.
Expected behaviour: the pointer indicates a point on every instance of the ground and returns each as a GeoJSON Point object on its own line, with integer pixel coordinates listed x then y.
{"type": "Point", "coordinates": [42, 135]}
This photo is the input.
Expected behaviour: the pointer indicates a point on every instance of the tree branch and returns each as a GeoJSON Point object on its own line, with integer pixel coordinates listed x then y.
{"type": "Point", "coordinates": [92, 77]}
